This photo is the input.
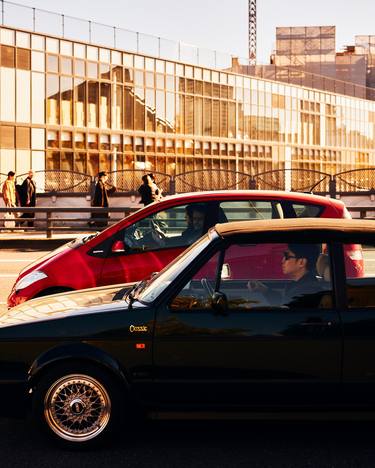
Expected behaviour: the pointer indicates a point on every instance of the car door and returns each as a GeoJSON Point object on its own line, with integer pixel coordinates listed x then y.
{"type": "Point", "coordinates": [257, 350]}
{"type": "Point", "coordinates": [358, 315]}
{"type": "Point", "coordinates": [145, 247]}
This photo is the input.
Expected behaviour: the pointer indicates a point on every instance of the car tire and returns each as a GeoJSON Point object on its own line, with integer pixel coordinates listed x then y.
{"type": "Point", "coordinates": [78, 405]}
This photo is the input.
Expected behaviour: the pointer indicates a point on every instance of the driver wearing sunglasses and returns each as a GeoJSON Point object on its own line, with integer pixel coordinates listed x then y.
{"type": "Point", "coordinates": [298, 263]}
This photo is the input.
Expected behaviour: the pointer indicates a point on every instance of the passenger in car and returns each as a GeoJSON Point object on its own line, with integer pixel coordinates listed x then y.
{"type": "Point", "coordinates": [195, 218]}
{"type": "Point", "coordinates": [298, 264]}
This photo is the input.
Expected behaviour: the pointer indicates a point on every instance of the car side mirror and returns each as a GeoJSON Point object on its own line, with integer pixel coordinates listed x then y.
{"type": "Point", "coordinates": [219, 302]}
{"type": "Point", "coordinates": [226, 272]}
{"type": "Point", "coordinates": [118, 247]}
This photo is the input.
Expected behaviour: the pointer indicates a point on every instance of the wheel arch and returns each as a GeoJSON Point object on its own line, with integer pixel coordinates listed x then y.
{"type": "Point", "coordinates": [74, 353]}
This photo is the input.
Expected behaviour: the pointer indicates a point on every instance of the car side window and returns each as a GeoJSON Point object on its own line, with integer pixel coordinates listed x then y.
{"type": "Point", "coordinates": [244, 210]}
{"type": "Point", "coordinates": [178, 226]}
{"type": "Point", "coordinates": [360, 275]}
{"type": "Point", "coordinates": [262, 276]}
{"type": "Point", "coordinates": [300, 210]}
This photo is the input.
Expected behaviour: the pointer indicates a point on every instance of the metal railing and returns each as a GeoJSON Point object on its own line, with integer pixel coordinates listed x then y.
{"type": "Point", "coordinates": [47, 219]}
{"type": "Point", "coordinates": [128, 182]}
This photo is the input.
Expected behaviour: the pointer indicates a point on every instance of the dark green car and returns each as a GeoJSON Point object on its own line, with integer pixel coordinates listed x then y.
{"type": "Point", "coordinates": [257, 316]}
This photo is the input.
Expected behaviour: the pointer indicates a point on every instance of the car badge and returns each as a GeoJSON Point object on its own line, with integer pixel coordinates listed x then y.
{"type": "Point", "coordinates": [138, 328]}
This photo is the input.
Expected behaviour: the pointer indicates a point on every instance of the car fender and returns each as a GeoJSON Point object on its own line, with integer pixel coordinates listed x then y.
{"type": "Point", "coordinates": [73, 352]}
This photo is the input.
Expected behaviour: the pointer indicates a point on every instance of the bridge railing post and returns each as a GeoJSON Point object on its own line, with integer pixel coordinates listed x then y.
{"type": "Point", "coordinates": [332, 187]}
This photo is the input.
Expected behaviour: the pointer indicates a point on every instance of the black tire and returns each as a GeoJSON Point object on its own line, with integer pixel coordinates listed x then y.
{"type": "Point", "coordinates": [77, 404]}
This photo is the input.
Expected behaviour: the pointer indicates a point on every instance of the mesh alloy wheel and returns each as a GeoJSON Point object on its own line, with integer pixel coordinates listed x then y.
{"type": "Point", "coordinates": [77, 408]}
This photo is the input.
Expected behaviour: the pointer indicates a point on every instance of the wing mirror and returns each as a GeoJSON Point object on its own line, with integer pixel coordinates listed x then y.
{"type": "Point", "coordinates": [118, 247]}
{"type": "Point", "coordinates": [226, 272]}
{"type": "Point", "coordinates": [219, 302]}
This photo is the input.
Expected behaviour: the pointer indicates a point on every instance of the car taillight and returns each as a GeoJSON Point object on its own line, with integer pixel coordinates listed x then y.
{"type": "Point", "coordinates": [355, 254]}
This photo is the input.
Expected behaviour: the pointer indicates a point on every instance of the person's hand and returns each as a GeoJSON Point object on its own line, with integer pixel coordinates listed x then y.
{"type": "Point", "coordinates": [256, 286]}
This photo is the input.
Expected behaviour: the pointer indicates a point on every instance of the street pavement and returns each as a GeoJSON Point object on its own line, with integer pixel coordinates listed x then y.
{"type": "Point", "coordinates": [201, 444]}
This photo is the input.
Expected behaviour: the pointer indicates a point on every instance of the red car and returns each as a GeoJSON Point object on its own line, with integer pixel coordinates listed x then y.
{"type": "Point", "coordinates": [150, 238]}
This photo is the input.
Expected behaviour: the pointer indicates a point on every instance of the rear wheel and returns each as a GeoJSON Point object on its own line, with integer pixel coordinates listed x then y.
{"type": "Point", "coordinates": [77, 405]}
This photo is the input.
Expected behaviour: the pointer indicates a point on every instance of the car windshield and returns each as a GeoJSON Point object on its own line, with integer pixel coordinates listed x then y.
{"type": "Point", "coordinates": [160, 282]}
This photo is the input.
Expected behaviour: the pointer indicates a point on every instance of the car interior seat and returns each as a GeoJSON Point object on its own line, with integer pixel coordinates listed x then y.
{"type": "Point", "coordinates": [277, 211]}
{"type": "Point", "coordinates": [323, 268]}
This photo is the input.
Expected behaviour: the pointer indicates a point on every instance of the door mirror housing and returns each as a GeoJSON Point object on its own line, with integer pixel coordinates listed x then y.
{"type": "Point", "coordinates": [219, 302]}
{"type": "Point", "coordinates": [118, 247]}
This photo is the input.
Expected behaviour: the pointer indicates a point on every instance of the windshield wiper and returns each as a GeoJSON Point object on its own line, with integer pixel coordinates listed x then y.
{"type": "Point", "coordinates": [134, 291]}
{"type": "Point", "coordinates": [89, 237]}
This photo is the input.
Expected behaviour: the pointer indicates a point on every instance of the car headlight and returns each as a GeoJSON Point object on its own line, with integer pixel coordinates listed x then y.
{"type": "Point", "coordinates": [29, 279]}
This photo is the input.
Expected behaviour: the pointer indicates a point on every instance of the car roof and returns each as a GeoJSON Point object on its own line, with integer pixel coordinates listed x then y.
{"type": "Point", "coordinates": [281, 194]}
{"type": "Point", "coordinates": [305, 224]}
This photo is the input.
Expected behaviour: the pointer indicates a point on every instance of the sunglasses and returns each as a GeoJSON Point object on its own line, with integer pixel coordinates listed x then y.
{"type": "Point", "coordinates": [287, 256]}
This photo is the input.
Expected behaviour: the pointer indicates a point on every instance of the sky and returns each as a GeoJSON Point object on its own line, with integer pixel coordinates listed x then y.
{"type": "Point", "coordinates": [222, 25]}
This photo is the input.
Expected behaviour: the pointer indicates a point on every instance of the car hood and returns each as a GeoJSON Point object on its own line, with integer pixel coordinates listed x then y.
{"type": "Point", "coordinates": [62, 304]}
{"type": "Point", "coordinates": [43, 259]}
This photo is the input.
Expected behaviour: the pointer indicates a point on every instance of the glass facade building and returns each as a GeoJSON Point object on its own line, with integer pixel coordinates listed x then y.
{"type": "Point", "coordinates": [68, 105]}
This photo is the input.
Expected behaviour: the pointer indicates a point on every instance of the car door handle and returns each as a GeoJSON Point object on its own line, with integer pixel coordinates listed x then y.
{"type": "Point", "coordinates": [316, 323]}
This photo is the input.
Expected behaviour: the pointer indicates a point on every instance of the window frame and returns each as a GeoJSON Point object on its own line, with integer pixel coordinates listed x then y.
{"type": "Point", "coordinates": [333, 248]}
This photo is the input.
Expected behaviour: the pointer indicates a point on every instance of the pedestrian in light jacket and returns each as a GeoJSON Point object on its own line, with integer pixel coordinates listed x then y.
{"type": "Point", "coordinates": [9, 190]}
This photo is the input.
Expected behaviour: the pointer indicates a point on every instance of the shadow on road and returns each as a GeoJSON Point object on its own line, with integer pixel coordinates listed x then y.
{"type": "Point", "coordinates": [202, 444]}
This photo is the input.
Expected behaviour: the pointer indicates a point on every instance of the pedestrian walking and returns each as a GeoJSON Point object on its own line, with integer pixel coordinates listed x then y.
{"type": "Point", "coordinates": [10, 199]}
{"type": "Point", "coordinates": [149, 191]}
{"type": "Point", "coordinates": [145, 190]}
{"type": "Point", "coordinates": [156, 191]}
{"type": "Point", "coordinates": [28, 197]}
{"type": "Point", "coordinates": [9, 191]}
{"type": "Point", "coordinates": [101, 195]}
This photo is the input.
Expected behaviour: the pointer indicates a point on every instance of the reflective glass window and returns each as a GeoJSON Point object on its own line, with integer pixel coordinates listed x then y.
{"type": "Point", "coordinates": [92, 103]}
{"type": "Point", "coordinates": [52, 63]}
{"type": "Point", "coordinates": [53, 99]}
{"type": "Point", "coordinates": [23, 59]}
{"type": "Point", "coordinates": [7, 56]}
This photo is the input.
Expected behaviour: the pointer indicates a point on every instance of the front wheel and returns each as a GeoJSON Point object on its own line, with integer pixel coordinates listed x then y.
{"type": "Point", "coordinates": [77, 405]}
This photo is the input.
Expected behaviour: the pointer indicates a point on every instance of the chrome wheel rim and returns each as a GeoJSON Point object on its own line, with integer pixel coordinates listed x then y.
{"type": "Point", "coordinates": [77, 408]}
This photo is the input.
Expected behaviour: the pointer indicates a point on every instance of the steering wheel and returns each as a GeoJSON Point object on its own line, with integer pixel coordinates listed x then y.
{"type": "Point", "coordinates": [207, 286]}
{"type": "Point", "coordinates": [258, 299]}
{"type": "Point", "coordinates": [158, 236]}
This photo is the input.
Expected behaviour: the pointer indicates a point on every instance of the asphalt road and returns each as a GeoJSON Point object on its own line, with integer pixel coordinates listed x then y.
{"type": "Point", "coordinates": [12, 261]}
{"type": "Point", "coordinates": [202, 444]}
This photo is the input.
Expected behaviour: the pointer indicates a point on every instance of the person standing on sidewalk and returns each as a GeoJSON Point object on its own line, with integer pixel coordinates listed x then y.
{"type": "Point", "coordinates": [9, 191]}
{"type": "Point", "coordinates": [149, 191]}
{"type": "Point", "coordinates": [10, 199]}
{"type": "Point", "coordinates": [145, 190]}
{"type": "Point", "coordinates": [28, 196]}
{"type": "Point", "coordinates": [102, 192]}
{"type": "Point", "coordinates": [156, 191]}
